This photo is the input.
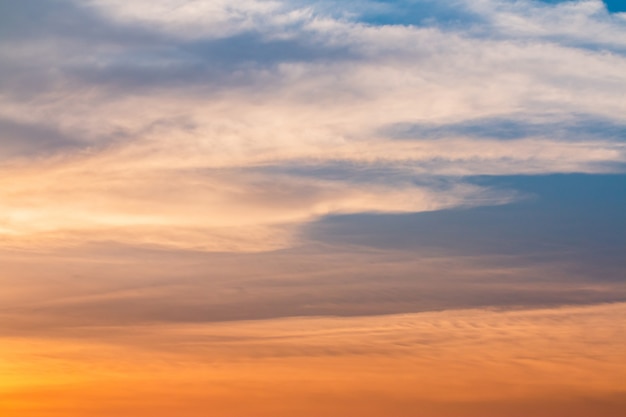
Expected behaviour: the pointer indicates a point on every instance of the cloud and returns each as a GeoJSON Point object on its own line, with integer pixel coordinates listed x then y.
{"type": "Point", "coordinates": [227, 193]}
{"type": "Point", "coordinates": [145, 197]}
{"type": "Point", "coordinates": [199, 19]}
{"type": "Point", "coordinates": [111, 284]}
{"type": "Point", "coordinates": [575, 221]}
{"type": "Point", "coordinates": [334, 208]}
{"type": "Point", "coordinates": [569, 128]}
{"type": "Point", "coordinates": [180, 123]}
{"type": "Point", "coordinates": [19, 140]}
{"type": "Point", "coordinates": [534, 359]}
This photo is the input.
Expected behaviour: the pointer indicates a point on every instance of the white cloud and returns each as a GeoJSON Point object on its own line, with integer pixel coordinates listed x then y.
{"type": "Point", "coordinates": [198, 19]}
{"type": "Point", "coordinates": [172, 140]}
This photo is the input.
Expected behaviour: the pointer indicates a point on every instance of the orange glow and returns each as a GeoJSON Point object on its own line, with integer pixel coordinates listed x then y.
{"type": "Point", "coordinates": [558, 362]}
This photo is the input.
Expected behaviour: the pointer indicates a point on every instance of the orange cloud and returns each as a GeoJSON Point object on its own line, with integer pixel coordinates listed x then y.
{"type": "Point", "coordinates": [557, 362]}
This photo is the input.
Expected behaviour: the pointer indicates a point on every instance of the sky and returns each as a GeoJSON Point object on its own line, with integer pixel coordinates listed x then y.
{"type": "Point", "coordinates": [371, 208]}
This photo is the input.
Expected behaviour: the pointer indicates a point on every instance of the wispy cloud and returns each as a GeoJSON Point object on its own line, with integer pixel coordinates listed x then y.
{"type": "Point", "coordinates": [536, 361]}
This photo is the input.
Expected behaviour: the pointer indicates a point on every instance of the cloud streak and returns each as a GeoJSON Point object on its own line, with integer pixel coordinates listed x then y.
{"type": "Point", "coordinates": [525, 358]}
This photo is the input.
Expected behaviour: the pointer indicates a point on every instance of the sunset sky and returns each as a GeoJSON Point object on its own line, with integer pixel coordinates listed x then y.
{"type": "Point", "coordinates": [312, 208]}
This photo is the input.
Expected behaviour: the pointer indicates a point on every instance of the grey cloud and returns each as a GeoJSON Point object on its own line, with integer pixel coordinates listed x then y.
{"type": "Point", "coordinates": [132, 287]}
{"type": "Point", "coordinates": [251, 47]}
{"type": "Point", "coordinates": [571, 127]}
{"type": "Point", "coordinates": [328, 300]}
{"type": "Point", "coordinates": [50, 19]}
{"type": "Point", "coordinates": [213, 64]}
{"type": "Point", "coordinates": [510, 256]}
{"type": "Point", "coordinates": [85, 50]}
{"type": "Point", "coordinates": [362, 173]}
{"type": "Point", "coordinates": [20, 139]}
{"type": "Point", "coordinates": [575, 219]}
{"type": "Point", "coordinates": [42, 40]}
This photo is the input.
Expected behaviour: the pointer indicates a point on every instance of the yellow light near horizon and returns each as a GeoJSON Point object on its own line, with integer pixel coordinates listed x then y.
{"type": "Point", "coordinates": [453, 363]}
